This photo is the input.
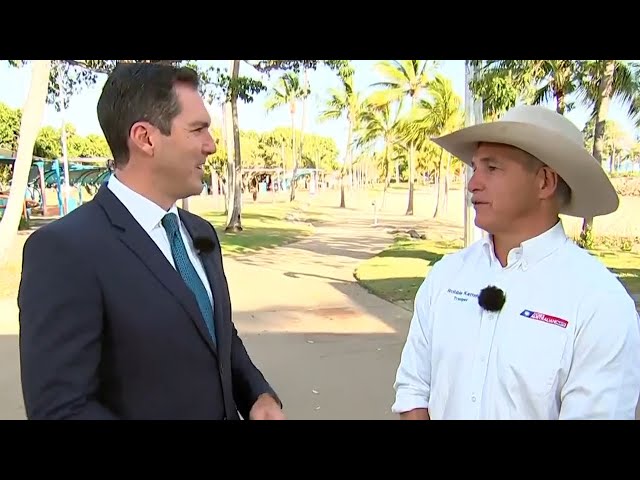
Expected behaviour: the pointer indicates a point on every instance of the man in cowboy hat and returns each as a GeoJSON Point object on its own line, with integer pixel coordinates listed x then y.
{"type": "Point", "coordinates": [523, 324]}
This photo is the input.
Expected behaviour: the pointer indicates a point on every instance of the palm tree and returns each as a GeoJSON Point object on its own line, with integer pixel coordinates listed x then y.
{"type": "Point", "coordinates": [378, 123]}
{"type": "Point", "coordinates": [344, 101]}
{"type": "Point", "coordinates": [440, 114]}
{"type": "Point", "coordinates": [499, 90]}
{"type": "Point", "coordinates": [541, 80]}
{"type": "Point", "coordinates": [402, 79]}
{"type": "Point", "coordinates": [601, 81]}
{"type": "Point", "coordinates": [287, 92]}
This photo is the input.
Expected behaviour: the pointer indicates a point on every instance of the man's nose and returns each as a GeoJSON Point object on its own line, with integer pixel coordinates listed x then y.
{"type": "Point", "coordinates": [474, 183]}
{"type": "Point", "coordinates": [210, 146]}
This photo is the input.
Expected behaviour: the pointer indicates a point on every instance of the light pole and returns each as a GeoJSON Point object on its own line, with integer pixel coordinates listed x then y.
{"type": "Point", "coordinates": [63, 137]}
{"type": "Point", "coordinates": [473, 115]}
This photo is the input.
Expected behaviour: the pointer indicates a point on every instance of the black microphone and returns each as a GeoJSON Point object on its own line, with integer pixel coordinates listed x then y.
{"type": "Point", "coordinates": [491, 298]}
{"type": "Point", "coordinates": [203, 244]}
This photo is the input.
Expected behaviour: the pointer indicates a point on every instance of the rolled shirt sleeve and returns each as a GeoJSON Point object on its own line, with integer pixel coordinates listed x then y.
{"type": "Point", "coordinates": [413, 378]}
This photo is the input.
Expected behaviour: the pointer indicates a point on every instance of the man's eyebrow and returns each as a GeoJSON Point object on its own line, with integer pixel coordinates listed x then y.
{"type": "Point", "coordinates": [199, 124]}
{"type": "Point", "coordinates": [483, 159]}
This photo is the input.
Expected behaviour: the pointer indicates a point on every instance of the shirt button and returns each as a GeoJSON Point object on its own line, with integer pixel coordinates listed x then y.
{"type": "Point", "coordinates": [473, 398]}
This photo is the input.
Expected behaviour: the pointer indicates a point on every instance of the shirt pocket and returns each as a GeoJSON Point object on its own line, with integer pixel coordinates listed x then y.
{"type": "Point", "coordinates": [456, 323]}
{"type": "Point", "coordinates": [530, 354]}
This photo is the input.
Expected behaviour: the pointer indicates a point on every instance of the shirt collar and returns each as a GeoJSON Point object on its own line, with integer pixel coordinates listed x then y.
{"type": "Point", "coordinates": [147, 213]}
{"type": "Point", "coordinates": [530, 251]}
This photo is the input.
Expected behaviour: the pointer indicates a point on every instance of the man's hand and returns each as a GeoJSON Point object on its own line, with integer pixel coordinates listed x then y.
{"type": "Point", "coordinates": [266, 408]}
{"type": "Point", "coordinates": [416, 414]}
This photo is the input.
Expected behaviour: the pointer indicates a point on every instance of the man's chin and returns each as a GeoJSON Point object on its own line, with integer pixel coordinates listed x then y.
{"type": "Point", "coordinates": [196, 187]}
{"type": "Point", "coordinates": [192, 191]}
{"type": "Point", "coordinates": [482, 224]}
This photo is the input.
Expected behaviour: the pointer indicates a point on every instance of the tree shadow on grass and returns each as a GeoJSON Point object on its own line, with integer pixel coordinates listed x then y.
{"type": "Point", "coordinates": [430, 253]}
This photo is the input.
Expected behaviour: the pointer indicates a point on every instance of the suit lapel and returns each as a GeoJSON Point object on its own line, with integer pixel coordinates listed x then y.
{"type": "Point", "coordinates": [143, 246]}
{"type": "Point", "coordinates": [216, 281]}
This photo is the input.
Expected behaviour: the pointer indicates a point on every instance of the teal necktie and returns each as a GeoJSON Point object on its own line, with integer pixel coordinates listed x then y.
{"type": "Point", "coordinates": [187, 271]}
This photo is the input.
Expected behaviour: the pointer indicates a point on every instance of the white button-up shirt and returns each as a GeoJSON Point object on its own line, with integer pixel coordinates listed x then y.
{"type": "Point", "coordinates": [149, 215]}
{"type": "Point", "coordinates": [566, 344]}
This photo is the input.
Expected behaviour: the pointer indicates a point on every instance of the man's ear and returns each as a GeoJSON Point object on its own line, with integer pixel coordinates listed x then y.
{"type": "Point", "coordinates": [141, 137]}
{"type": "Point", "coordinates": [548, 180]}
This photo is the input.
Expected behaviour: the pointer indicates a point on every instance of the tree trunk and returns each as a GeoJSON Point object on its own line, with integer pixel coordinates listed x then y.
{"type": "Point", "coordinates": [230, 183]}
{"type": "Point", "coordinates": [293, 152]}
{"type": "Point", "coordinates": [303, 120]}
{"type": "Point", "coordinates": [561, 104]}
{"type": "Point", "coordinates": [29, 127]}
{"type": "Point", "coordinates": [436, 213]}
{"type": "Point", "coordinates": [234, 222]}
{"type": "Point", "coordinates": [604, 97]}
{"type": "Point", "coordinates": [612, 168]}
{"type": "Point", "coordinates": [410, 202]}
{"type": "Point", "coordinates": [446, 185]}
{"type": "Point", "coordinates": [224, 176]}
{"type": "Point", "coordinates": [387, 173]}
{"type": "Point", "coordinates": [348, 163]}
{"type": "Point", "coordinates": [412, 153]}
{"type": "Point", "coordinates": [66, 186]}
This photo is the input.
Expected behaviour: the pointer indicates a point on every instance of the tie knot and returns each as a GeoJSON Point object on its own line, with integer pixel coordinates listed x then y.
{"type": "Point", "coordinates": [170, 223]}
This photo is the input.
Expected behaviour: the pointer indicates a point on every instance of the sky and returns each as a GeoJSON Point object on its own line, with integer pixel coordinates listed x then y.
{"type": "Point", "coordinates": [14, 85]}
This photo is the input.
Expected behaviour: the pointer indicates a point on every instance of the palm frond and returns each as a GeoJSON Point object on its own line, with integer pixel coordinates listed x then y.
{"type": "Point", "coordinates": [543, 94]}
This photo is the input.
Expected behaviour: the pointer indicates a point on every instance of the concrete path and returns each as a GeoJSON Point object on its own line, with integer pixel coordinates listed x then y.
{"type": "Point", "coordinates": [330, 348]}
{"type": "Point", "coordinates": [11, 406]}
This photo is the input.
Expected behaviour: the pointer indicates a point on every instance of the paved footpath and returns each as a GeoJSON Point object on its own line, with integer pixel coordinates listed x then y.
{"type": "Point", "coordinates": [329, 347]}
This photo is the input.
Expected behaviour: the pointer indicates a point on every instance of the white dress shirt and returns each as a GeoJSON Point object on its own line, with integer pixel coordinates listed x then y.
{"type": "Point", "coordinates": [566, 344]}
{"type": "Point", "coordinates": [149, 215]}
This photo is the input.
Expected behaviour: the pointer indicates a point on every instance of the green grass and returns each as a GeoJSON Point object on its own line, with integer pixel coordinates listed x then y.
{"type": "Point", "coordinates": [625, 265]}
{"type": "Point", "coordinates": [396, 273]}
{"type": "Point", "coordinates": [404, 186]}
{"type": "Point", "coordinates": [264, 226]}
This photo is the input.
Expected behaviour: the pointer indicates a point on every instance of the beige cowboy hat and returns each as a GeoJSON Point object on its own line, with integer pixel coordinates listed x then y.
{"type": "Point", "coordinates": [554, 140]}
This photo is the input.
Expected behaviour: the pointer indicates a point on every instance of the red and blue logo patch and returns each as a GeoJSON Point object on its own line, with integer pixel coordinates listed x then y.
{"type": "Point", "coordinates": [543, 317]}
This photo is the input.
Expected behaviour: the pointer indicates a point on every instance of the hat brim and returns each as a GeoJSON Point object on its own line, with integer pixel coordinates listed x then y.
{"type": "Point", "coordinates": [592, 193]}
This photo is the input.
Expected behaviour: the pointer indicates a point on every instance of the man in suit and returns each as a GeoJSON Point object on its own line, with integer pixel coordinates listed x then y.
{"type": "Point", "coordinates": [124, 305]}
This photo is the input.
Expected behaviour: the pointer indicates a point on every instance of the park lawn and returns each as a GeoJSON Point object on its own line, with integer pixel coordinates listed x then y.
{"type": "Point", "coordinates": [625, 265]}
{"type": "Point", "coordinates": [264, 226]}
{"type": "Point", "coordinates": [397, 272]}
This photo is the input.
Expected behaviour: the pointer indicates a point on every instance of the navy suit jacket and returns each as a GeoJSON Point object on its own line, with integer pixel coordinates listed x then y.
{"type": "Point", "coordinates": [109, 330]}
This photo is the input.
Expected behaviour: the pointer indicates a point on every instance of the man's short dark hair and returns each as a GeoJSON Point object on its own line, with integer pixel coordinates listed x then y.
{"type": "Point", "coordinates": [139, 92]}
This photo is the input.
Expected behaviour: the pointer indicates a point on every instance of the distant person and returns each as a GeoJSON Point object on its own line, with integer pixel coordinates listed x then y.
{"type": "Point", "coordinates": [523, 324]}
{"type": "Point", "coordinates": [124, 304]}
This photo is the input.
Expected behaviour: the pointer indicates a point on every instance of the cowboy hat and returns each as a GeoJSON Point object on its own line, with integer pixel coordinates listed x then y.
{"type": "Point", "coordinates": [555, 141]}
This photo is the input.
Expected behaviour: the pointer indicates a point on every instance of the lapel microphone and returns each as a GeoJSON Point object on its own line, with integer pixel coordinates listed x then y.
{"type": "Point", "coordinates": [491, 299]}
{"type": "Point", "coordinates": [203, 244]}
